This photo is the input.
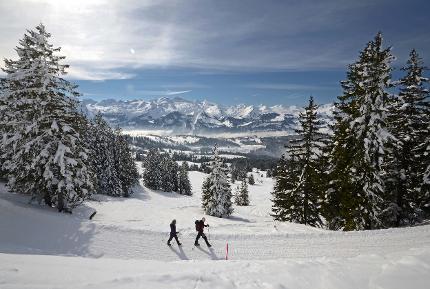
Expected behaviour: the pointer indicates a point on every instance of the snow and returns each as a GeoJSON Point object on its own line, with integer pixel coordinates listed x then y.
{"type": "Point", "coordinates": [371, 271]}
{"type": "Point", "coordinates": [124, 247]}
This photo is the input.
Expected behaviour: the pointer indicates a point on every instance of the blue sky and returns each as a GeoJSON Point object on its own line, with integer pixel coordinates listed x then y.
{"type": "Point", "coordinates": [270, 52]}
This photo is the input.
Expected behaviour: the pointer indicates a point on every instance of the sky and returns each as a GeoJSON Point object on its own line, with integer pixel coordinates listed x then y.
{"type": "Point", "coordinates": [229, 52]}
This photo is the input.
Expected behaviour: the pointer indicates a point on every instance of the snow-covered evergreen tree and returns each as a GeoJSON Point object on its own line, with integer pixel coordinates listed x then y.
{"type": "Point", "coordinates": [338, 205]}
{"type": "Point", "coordinates": [169, 174]}
{"type": "Point", "coordinates": [287, 174]}
{"type": "Point", "coordinates": [242, 196]}
{"type": "Point", "coordinates": [251, 179]}
{"type": "Point", "coordinates": [185, 165]}
{"type": "Point", "coordinates": [425, 187]}
{"type": "Point", "coordinates": [103, 158]}
{"type": "Point", "coordinates": [207, 194]}
{"type": "Point", "coordinates": [160, 172]}
{"type": "Point", "coordinates": [42, 139]}
{"type": "Point", "coordinates": [184, 185]}
{"type": "Point", "coordinates": [2, 131]}
{"type": "Point", "coordinates": [409, 124]}
{"type": "Point", "coordinates": [298, 189]}
{"type": "Point", "coordinates": [125, 165]}
{"type": "Point", "coordinates": [151, 170]}
{"type": "Point", "coordinates": [112, 159]}
{"type": "Point", "coordinates": [360, 138]}
{"type": "Point", "coordinates": [216, 191]}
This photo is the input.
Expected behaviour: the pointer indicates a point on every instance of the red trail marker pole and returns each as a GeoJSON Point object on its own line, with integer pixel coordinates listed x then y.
{"type": "Point", "coordinates": [226, 251]}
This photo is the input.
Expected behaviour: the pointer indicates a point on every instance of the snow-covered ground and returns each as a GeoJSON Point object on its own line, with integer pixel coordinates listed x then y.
{"type": "Point", "coordinates": [124, 246]}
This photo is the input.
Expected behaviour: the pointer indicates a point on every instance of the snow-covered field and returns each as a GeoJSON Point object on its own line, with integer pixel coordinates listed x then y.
{"type": "Point", "coordinates": [124, 246]}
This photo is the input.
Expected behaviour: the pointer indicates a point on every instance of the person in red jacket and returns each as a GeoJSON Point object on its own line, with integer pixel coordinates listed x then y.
{"type": "Point", "coordinates": [200, 225]}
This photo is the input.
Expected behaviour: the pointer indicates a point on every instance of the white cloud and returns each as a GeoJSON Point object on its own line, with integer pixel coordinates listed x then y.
{"type": "Point", "coordinates": [77, 72]}
{"type": "Point", "coordinates": [131, 90]}
{"type": "Point", "coordinates": [177, 92]}
{"type": "Point", "coordinates": [95, 35]}
{"type": "Point", "coordinates": [105, 39]}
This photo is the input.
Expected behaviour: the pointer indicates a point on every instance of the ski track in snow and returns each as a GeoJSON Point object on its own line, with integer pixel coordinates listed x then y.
{"type": "Point", "coordinates": [124, 246]}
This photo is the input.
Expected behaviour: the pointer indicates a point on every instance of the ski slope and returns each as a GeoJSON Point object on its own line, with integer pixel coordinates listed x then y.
{"type": "Point", "coordinates": [124, 246]}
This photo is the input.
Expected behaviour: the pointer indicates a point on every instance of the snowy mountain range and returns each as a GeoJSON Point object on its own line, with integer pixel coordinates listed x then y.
{"type": "Point", "coordinates": [185, 116]}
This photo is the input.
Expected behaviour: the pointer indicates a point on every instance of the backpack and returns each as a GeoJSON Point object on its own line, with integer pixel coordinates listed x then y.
{"type": "Point", "coordinates": [197, 223]}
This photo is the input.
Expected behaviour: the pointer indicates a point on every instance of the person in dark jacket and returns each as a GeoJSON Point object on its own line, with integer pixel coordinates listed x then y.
{"type": "Point", "coordinates": [200, 225]}
{"type": "Point", "coordinates": [173, 233]}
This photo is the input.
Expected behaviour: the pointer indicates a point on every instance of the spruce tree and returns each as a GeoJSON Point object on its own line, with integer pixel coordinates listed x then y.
{"type": "Point", "coordinates": [360, 139]}
{"type": "Point", "coordinates": [184, 185]}
{"type": "Point", "coordinates": [242, 196]}
{"type": "Point", "coordinates": [304, 200]}
{"type": "Point", "coordinates": [409, 124]}
{"type": "Point", "coordinates": [216, 192]}
{"type": "Point", "coordinates": [185, 165]}
{"type": "Point", "coordinates": [104, 158]}
{"type": "Point", "coordinates": [169, 174]}
{"type": "Point", "coordinates": [151, 170]}
{"type": "Point", "coordinates": [125, 165]}
{"type": "Point", "coordinates": [160, 171]}
{"type": "Point", "coordinates": [2, 131]}
{"type": "Point", "coordinates": [207, 195]}
{"type": "Point", "coordinates": [251, 179]}
{"type": "Point", "coordinates": [424, 150]}
{"type": "Point", "coordinates": [287, 175]}
{"type": "Point", "coordinates": [44, 152]}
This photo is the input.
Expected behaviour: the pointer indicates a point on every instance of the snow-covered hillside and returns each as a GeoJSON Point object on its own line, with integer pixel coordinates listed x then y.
{"type": "Point", "coordinates": [124, 246]}
{"type": "Point", "coordinates": [184, 116]}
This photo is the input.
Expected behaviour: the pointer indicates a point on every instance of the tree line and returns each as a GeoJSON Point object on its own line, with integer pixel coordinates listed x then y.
{"type": "Point", "coordinates": [373, 169]}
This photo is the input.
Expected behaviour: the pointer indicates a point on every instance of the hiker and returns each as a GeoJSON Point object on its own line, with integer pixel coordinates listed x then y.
{"type": "Point", "coordinates": [200, 225]}
{"type": "Point", "coordinates": [173, 233]}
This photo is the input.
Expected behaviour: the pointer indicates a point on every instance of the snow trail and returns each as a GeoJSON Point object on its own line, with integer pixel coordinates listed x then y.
{"type": "Point", "coordinates": [72, 235]}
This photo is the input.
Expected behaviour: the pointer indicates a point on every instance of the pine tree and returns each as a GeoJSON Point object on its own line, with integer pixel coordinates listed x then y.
{"type": "Point", "coordinates": [234, 174]}
{"type": "Point", "coordinates": [104, 158]}
{"type": "Point", "coordinates": [360, 139]}
{"type": "Point", "coordinates": [169, 174]}
{"type": "Point", "coordinates": [242, 197]}
{"type": "Point", "coordinates": [184, 185]}
{"type": "Point", "coordinates": [424, 151]}
{"type": "Point", "coordinates": [43, 149]}
{"type": "Point", "coordinates": [2, 131]}
{"type": "Point", "coordinates": [160, 172]}
{"type": "Point", "coordinates": [337, 201]}
{"type": "Point", "coordinates": [151, 170]}
{"type": "Point", "coordinates": [185, 165]}
{"type": "Point", "coordinates": [285, 207]}
{"type": "Point", "coordinates": [216, 192]}
{"type": "Point", "coordinates": [300, 195]}
{"type": "Point", "coordinates": [125, 165]}
{"type": "Point", "coordinates": [425, 187]}
{"type": "Point", "coordinates": [207, 195]}
{"type": "Point", "coordinates": [409, 119]}
{"type": "Point", "coordinates": [251, 179]}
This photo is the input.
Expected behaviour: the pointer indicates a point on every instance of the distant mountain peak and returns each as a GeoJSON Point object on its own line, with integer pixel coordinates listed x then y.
{"type": "Point", "coordinates": [185, 116]}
